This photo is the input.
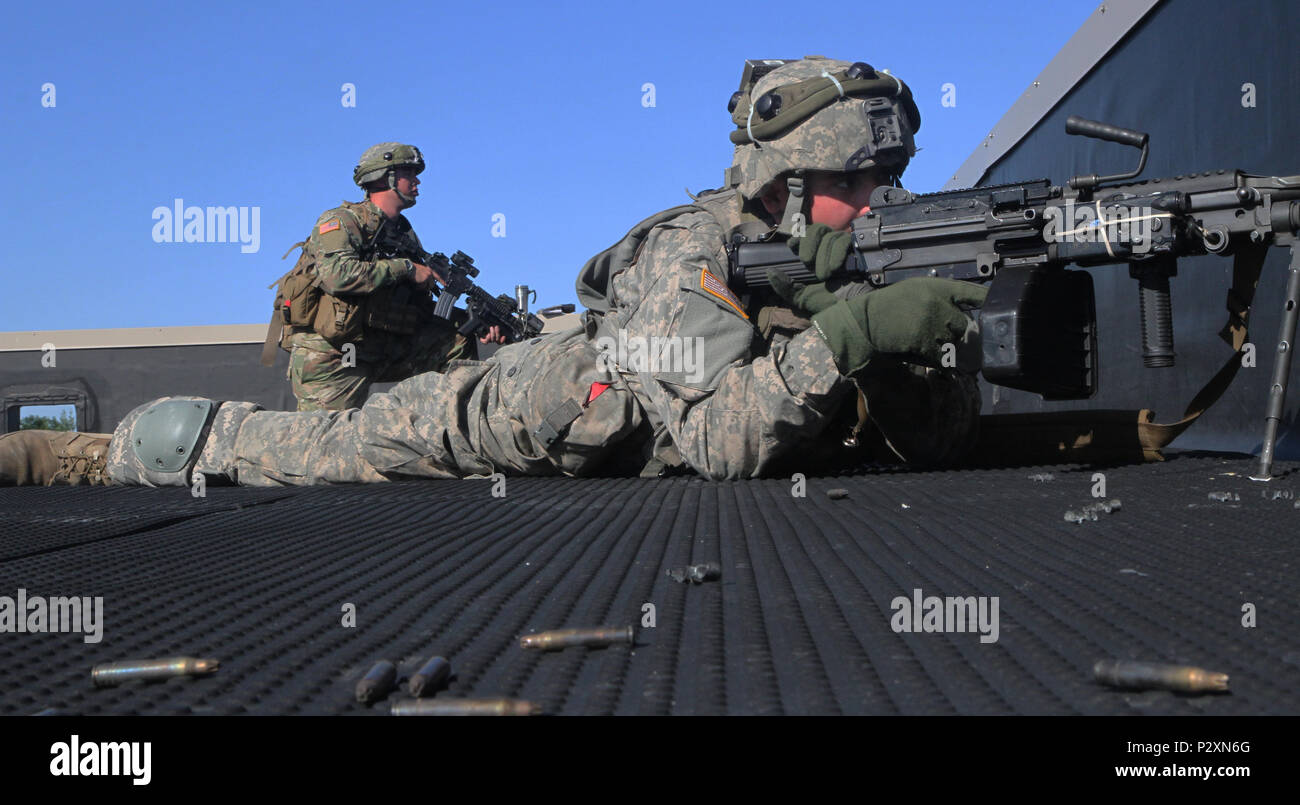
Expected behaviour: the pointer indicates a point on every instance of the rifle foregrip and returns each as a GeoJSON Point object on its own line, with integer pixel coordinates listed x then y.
{"type": "Point", "coordinates": [1157, 321]}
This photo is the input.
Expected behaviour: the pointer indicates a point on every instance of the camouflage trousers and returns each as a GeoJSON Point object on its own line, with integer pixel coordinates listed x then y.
{"type": "Point", "coordinates": [549, 406]}
{"type": "Point", "coordinates": [326, 379]}
{"type": "Point", "coordinates": [526, 411]}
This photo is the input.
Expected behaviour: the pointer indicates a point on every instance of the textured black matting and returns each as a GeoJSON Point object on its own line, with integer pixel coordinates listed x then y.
{"type": "Point", "coordinates": [800, 621]}
{"type": "Point", "coordinates": [32, 524]}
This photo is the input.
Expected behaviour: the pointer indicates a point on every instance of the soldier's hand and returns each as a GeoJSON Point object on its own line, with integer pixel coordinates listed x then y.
{"type": "Point", "coordinates": [912, 320]}
{"type": "Point", "coordinates": [823, 249]}
{"type": "Point", "coordinates": [424, 276]}
{"type": "Point", "coordinates": [810, 298]}
{"type": "Point", "coordinates": [493, 336]}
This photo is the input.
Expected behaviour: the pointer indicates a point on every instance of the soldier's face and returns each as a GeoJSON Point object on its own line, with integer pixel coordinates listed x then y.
{"type": "Point", "coordinates": [838, 198]}
{"type": "Point", "coordinates": [407, 182]}
{"type": "Point", "coordinates": [835, 198]}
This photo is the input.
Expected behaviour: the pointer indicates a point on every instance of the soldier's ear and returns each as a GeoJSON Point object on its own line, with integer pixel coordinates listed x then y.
{"type": "Point", "coordinates": [773, 199]}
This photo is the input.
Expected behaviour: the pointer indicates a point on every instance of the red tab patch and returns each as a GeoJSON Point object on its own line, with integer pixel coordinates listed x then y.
{"type": "Point", "coordinates": [597, 389]}
{"type": "Point", "coordinates": [329, 226]}
{"type": "Point", "coordinates": [712, 285]}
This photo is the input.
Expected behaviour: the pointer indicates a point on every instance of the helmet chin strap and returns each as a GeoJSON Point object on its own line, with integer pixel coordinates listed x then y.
{"type": "Point", "coordinates": [793, 205]}
{"type": "Point", "coordinates": [392, 185]}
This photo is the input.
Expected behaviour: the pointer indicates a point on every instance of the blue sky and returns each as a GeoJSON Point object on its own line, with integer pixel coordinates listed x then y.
{"type": "Point", "coordinates": [530, 111]}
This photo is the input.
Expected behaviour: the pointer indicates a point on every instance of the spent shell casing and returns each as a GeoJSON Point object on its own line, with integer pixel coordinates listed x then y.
{"type": "Point", "coordinates": [465, 707]}
{"type": "Point", "coordinates": [115, 673]}
{"type": "Point", "coordinates": [563, 638]}
{"type": "Point", "coordinates": [1134, 675]}
{"type": "Point", "coordinates": [705, 572]}
{"type": "Point", "coordinates": [430, 678]}
{"type": "Point", "coordinates": [377, 682]}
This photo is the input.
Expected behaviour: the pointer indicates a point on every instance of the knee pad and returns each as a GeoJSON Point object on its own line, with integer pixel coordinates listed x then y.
{"type": "Point", "coordinates": [156, 444]}
{"type": "Point", "coordinates": [166, 434]}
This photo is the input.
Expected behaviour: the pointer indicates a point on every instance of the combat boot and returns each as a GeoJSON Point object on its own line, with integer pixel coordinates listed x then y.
{"type": "Point", "coordinates": [49, 457]}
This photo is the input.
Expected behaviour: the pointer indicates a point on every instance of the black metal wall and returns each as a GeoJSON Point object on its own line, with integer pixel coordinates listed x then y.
{"type": "Point", "coordinates": [115, 380]}
{"type": "Point", "coordinates": [109, 382]}
{"type": "Point", "coordinates": [1179, 75]}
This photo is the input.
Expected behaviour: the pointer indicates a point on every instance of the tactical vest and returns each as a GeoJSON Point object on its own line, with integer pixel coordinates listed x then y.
{"type": "Point", "coordinates": [302, 306]}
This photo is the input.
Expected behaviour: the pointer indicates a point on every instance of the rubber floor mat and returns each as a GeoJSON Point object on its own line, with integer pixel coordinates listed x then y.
{"type": "Point", "coordinates": [1197, 565]}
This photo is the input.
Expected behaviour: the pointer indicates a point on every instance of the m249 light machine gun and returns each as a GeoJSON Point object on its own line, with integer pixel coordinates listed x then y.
{"type": "Point", "coordinates": [1038, 324]}
{"type": "Point", "coordinates": [485, 310]}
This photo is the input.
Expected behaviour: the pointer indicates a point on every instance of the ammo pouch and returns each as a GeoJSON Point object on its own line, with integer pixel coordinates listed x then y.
{"type": "Point", "coordinates": [297, 303]}
{"type": "Point", "coordinates": [392, 309]}
{"type": "Point", "coordinates": [299, 296]}
{"type": "Point", "coordinates": [338, 321]}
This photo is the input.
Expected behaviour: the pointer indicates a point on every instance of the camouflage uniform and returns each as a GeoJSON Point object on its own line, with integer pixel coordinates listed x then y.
{"type": "Point", "coordinates": [749, 402]}
{"type": "Point", "coordinates": [733, 414]}
{"type": "Point", "coordinates": [360, 253]}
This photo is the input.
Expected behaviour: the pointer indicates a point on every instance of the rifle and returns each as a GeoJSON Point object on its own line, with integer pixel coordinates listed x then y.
{"type": "Point", "coordinates": [1038, 323]}
{"type": "Point", "coordinates": [485, 310]}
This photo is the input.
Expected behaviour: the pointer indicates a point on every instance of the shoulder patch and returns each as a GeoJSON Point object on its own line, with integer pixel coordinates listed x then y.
{"type": "Point", "coordinates": [329, 226]}
{"type": "Point", "coordinates": [713, 286]}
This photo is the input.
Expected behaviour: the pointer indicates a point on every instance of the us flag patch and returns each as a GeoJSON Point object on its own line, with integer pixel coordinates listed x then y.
{"type": "Point", "coordinates": [329, 226]}
{"type": "Point", "coordinates": [712, 285]}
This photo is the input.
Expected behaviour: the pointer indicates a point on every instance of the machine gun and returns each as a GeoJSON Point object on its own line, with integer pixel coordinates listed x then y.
{"type": "Point", "coordinates": [485, 310]}
{"type": "Point", "coordinates": [1038, 323]}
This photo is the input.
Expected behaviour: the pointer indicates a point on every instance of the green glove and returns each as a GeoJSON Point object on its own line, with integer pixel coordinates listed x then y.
{"type": "Point", "coordinates": [811, 298]}
{"type": "Point", "coordinates": [911, 320]}
{"type": "Point", "coordinates": [823, 249]}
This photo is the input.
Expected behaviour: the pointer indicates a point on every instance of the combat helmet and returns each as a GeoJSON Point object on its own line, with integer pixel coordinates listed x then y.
{"type": "Point", "coordinates": [379, 162]}
{"type": "Point", "coordinates": [817, 114]}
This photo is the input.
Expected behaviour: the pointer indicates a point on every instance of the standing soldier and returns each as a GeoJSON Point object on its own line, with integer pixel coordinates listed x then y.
{"type": "Point", "coordinates": [356, 309]}
{"type": "Point", "coordinates": [770, 386]}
